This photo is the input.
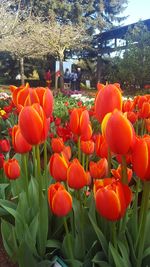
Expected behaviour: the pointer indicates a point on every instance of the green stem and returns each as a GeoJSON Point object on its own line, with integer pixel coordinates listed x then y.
{"type": "Point", "coordinates": [124, 170]}
{"type": "Point", "coordinates": [82, 221]}
{"type": "Point", "coordinates": [39, 171]}
{"type": "Point", "coordinates": [87, 163]}
{"type": "Point", "coordinates": [79, 149]}
{"type": "Point", "coordinates": [114, 234]}
{"type": "Point", "coordinates": [109, 162]}
{"type": "Point", "coordinates": [25, 168]}
{"type": "Point", "coordinates": [83, 159]}
{"type": "Point", "coordinates": [142, 127]}
{"type": "Point", "coordinates": [142, 222]}
{"type": "Point", "coordinates": [45, 166]}
{"type": "Point", "coordinates": [34, 161]}
{"type": "Point", "coordinates": [69, 240]}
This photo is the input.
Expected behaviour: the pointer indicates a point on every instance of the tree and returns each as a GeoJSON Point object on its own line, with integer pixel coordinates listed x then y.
{"type": "Point", "coordinates": [133, 68]}
{"type": "Point", "coordinates": [93, 13]}
{"type": "Point", "coordinates": [22, 43]}
{"type": "Point", "coordinates": [55, 38]}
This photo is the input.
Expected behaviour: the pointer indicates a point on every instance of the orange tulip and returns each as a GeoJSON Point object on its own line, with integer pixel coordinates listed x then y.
{"type": "Point", "coordinates": [60, 201]}
{"type": "Point", "coordinates": [144, 113]}
{"type": "Point", "coordinates": [112, 199]}
{"type": "Point", "coordinates": [19, 142]}
{"type": "Point", "coordinates": [58, 166]}
{"type": "Point", "coordinates": [57, 144]}
{"type": "Point", "coordinates": [132, 116]}
{"type": "Point", "coordinates": [87, 134]}
{"type": "Point", "coordinates": [128, 105]}
{"type": "Point", "coordinates": [101, 146]}
{"type": "Point", "coordinates": [11, 169]}
{"type": "Point", "coordinates": [117, 173]}
{"type": "Point", "coordinates": [77, 178]}
{"type": "Point", "coordinates": [118, 132]}
{"type": "Point", "coordinates": [79, 121]}
{"type": "Point", "coordinates": [141, 157]}
{"type": "Point", "coordinates": [98, 169]}
{"type": "Point", "coordinates": [87, 147]}
{"type": "Point", "coordinates": [67, 152]}
{"type": "Point", "coordinates": [33, 124]}
{"type": "Point", "coordinates": [26, 96]}
{"type": "Point", "coordinates": [107, 99]}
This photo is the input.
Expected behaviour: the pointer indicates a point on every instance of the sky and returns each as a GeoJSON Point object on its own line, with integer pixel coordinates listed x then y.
{"type": "Point", "coordinates": [137, 9]}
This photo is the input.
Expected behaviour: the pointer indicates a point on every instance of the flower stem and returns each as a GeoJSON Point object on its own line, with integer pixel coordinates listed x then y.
{"type": "Point", "coordinates": [109, 162]}
{"type": "Point", "coordinates": [45, 166]}
{"type": "Point", "coordinates": [87, 163]}
{"type": "Point", "coordinates": [142, 222]}
{"type": "Point", "coordinates": [25, 168]}
{"type": "Point", "coordinates": [39, 171]}
{"type": "Point", "coordinates": [124, 170]}
{"type": "Point", "coordinates": [79, 149]}
{"type": "Point", "coordinates": [68, 239]}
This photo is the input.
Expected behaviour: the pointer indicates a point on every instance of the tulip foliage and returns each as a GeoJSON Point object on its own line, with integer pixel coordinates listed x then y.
{"type": "Point", "coordinates": [72, 192]}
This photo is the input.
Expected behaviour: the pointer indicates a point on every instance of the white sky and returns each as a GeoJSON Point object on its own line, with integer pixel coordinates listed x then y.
{"type": "Point", "coordinates": [137, 9]}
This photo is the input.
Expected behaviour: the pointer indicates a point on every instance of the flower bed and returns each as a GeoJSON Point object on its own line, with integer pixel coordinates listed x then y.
{"type": "Point", "coordinates": [75, 178]}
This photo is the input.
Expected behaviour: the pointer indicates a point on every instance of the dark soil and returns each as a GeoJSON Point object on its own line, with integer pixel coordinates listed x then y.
{"type": "Point", "coordinates": [4, 258]}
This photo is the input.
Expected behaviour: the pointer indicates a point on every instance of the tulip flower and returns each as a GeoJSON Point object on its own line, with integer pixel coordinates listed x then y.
{"type": "Point", "coordinates": [98, 169]}
{"type": "Point", "coordinates": [46, 100]}
{"type": "Point", "coordinates": [77, 178]}
{"type": "Point", "coordinates": [118, 132]}
{"type": "Point", "coordinates": [132, 116]}
{"type": "Point", "coordinates": [141, 158]}
{"type": "Point", "coordinates": [117, 173]}
{"type": "Point", "coordinates": [87, 147]}
{"type": "Point", "coordinates": [5, 145]}
{"type": "Point", "coordinates": [107, 99]}
{"type": "Point", "coordinates": [144, 113]}
{"type": "Point", "coordinates": [57, 145]}
{"type": "Point", "coordinates": [79, 121]}
{"type": "Point", "coordinates": [19, 142]}
{"type": "Point", "coordinates": [67, 152]}
{"type": "Point", "coordinates": [11, 169]}
{"type": "Point", "coordinates": [58, 166]}
{"type": "Point", "coordinates": [60, 201]}
{"type": "Point", "coordinates": [86, 135]}
{"type": "Point", "coordinates": [101, 146]}
{"type": "Point", "coordinates": [1, 160]}
{"type": "Point", "coordinates": [128, 105]}
{"type": "Point", "coordinates": [112, 199]}
{"type": "Point", "coordinates": [33, 124]}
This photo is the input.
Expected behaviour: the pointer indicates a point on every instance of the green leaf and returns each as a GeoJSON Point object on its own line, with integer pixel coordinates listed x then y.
{"type": "Point", "coordinates": [2, 190]}
{"type": "Point", "coordinates": [25, 256]}
{"type": "Point", "coordinates": [98, 257]}
{"type": "Point", "coordinates": [100, 236]}
{"type": "Point", "coordinates": [52, 243]}
{"type": "Point", "coordinates": [146, 252]}
{"type": "Point", "coordinates": [124, 253]}
{"type": "Point", "coordinates": [119, 262]}
{"type": "Point", "coordinates": [9, 238]}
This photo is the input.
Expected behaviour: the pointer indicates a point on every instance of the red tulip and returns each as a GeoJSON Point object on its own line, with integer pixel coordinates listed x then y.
{"type": "Point", "coordinates": [141, 158]}
{"type": "Point", "coordinates": [79, 121]}
{"type": "Point", "coordinates": [59, 199]}
{"type": "Point", "coordinates": [128, 105]}
{"type": "Point", "coordinates": [57, 145]}
{"type": "Point", "coordinates": [46, 100]}
{"type": "Point", "coordinates": [33, 124]}
{"type": "Point", "coordinates": [19, 142]}
{"type": "Point", "coordinates": [144, 113]}
{"type": "Point", "coordinates": [118, 132]}
{"type": "Point", "coordinates": [112, 199]}
{"type": "Point", "coordinates": [77, 178]}
{"type": "Point", "coordinates": [132, 116]}
{"type": "Point", "coordinates": [67, 152]}
{"type": "Point", "coordinates": [101, 147]}
{"type": "Point", "coordinates": [4, 145]}
{"type": "Point", "coordinates": [107, 99]}
{"type": "Point", "coordinates": [117, 173]}
{"type": "Point", "coordinates": [11, 169]}
{"type": "Point", "coordinates": [98, 169]}
{"type": "Point", "coordinates": [86, 135]}
{"type": "Point", "coordinates": [87, 147]}
{"type": "Point", "coordinates": [1, 160]}
{"type": "Point", "coordinates": [58, 166]}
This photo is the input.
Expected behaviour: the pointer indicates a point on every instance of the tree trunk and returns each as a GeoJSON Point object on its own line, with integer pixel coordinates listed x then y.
{"type": "Point", "coordinates": [61, 74]}
{"type": "Point", "coordinates": [22, 70]}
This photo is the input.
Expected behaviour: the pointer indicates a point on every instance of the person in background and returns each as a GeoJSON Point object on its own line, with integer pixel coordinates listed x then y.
{"type": "Point", "coordinates": [67, 76]}
{"type": "Point", "coordinates": [79, 76]}
{"type": "Point", "coordinates": [74, 80]}
{"type": "Point", "coordinates": [47, 77]}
